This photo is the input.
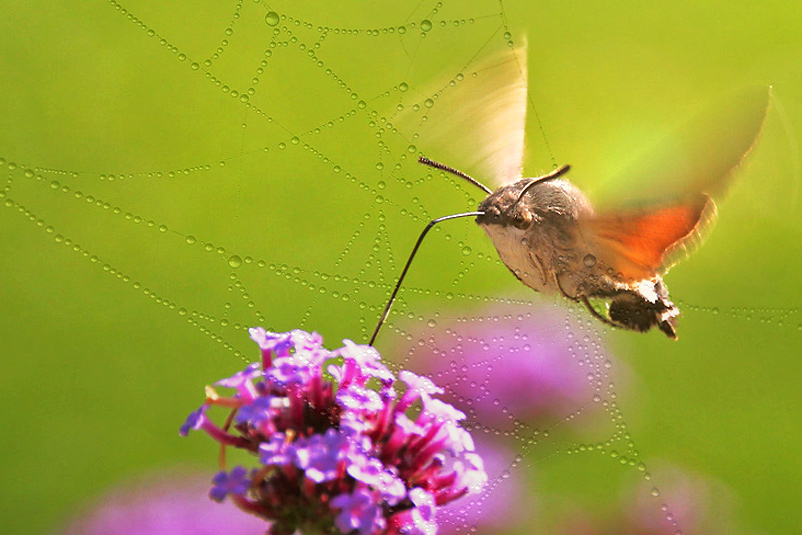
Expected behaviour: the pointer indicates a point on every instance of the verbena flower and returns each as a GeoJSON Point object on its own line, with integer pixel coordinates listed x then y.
{"type": "Point", "coordinates": [340, 451]}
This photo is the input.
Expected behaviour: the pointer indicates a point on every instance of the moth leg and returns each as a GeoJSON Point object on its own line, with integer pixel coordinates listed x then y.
{"type": "Point", "coordinates": [586, 302]}
{"type": "Point", "coordinates": [573, 298]}
{"type": "Point", "coordinates": [540, 266]}
{"type": "Point", "coordinates": [593, 311]}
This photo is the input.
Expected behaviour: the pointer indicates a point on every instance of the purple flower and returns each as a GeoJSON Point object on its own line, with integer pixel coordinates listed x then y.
{"type": "Point", "coordinates": [416, 521]}
{"type": "Point", "coordinates": [321, 455]}
{"type": "Point", "coordinates": [225, 483]}
{"type": "Point", "coordinates": [340, 455]}
{"type": "Point", "coordinates": [275, 451]}
{"type": "Point", "coordinates": [361, 363]}
{"type": "Point", "coordinates": [373, 473]}
{"type": "Point", "coordinates": [359, 398]}
{"type": "Point", "coordinates": [195, 420]}
{"type": "Point", "coordinates": [288, 371]}
{"type": "Point", "coordinates": [271, 344]}
{"type": "Point", "coordinates": [256, 412]}
{"type": "Point", "coordinates": [243, 381]}
{"type": "Point", "coordinates": [358, 511]}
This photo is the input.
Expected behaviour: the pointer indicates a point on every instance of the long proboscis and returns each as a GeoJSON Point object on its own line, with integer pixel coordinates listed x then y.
{"type": "Point", "coordinates": [409, 262]}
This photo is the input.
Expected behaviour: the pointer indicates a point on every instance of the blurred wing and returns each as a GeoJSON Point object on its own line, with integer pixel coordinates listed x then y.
{"type": "Point", "coordinates": [475, 121]}
{"type": "Point", "coordinates": [640, 244]}
{"type": "Point", "coordinates": [701, 157]}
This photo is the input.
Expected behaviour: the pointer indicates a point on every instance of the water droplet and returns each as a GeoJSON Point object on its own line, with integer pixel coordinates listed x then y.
{"type": "Point", "coordinates": [428, 103]}
{"type": "Point", "coordinates": [426, 25]}
{"type": "Point", "coordinates": [271, 18]}
{"type": "Point", "coordinates": [235, 261]}
{"type": "Point", "coordinates": [431, 323]}
{"type": "Point", "coordinates": [191, 239]}
{"type": "Point", "coordinates": [589, 260]}
{"type": "Point", "coordinates": [412, 149]}
{"type": "Point", "coordinates": [403, 86]}
{"type": "Point", "coordinates": [466, 251]}
{"type": "Point", "coordinates": [402, 29]}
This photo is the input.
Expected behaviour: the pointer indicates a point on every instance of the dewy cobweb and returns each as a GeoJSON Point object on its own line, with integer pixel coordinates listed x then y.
{"type": "Point", "coordinates": [249, 172]}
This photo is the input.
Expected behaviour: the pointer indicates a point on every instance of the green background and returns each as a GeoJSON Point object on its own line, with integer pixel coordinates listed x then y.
{"type": "Point", "coordinates": [106, 348]}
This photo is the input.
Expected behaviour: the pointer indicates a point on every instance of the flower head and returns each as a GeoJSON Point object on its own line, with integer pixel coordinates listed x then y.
{"type": "Point", "coordinates": [342, 455]}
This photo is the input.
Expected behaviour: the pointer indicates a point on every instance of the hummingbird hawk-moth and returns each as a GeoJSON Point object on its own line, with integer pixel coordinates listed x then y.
{"type": "Point", "coordinates": [551, 237]}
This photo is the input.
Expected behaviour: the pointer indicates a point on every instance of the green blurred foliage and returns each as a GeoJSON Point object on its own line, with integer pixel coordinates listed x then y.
{"type": "Point", "coordinates": [105, 369]}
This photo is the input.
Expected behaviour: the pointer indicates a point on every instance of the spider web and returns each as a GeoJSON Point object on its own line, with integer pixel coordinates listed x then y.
{"type": "Point", "coordinates": [176, 174]}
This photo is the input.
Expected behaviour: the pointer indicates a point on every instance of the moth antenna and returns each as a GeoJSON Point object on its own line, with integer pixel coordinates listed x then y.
{"type": "Point", "coordinates": [560, 171]}
{"type": "Point", "coordinates": [437, 165]}
{"type": "Point", "coordinates": [409, 261]}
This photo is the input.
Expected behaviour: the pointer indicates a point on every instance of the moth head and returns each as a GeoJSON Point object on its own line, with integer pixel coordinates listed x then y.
{"type": "Point", "coordinates": [501, 208]}
{"type": "Point", "coordinates": [504, 212]}
{"type": "Point", "coordinates": [509, 205]}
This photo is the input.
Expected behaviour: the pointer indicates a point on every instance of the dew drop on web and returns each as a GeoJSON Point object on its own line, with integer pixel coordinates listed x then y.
{"type": "Point", "coordinates": [272, 18]}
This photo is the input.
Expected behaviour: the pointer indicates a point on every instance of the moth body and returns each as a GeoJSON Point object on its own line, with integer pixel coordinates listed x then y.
{"type": "Point", "coordinates": [544, 233]}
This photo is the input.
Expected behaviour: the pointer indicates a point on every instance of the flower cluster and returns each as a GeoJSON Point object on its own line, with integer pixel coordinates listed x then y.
{"type": "Point", "coordinates": [344, 452]}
